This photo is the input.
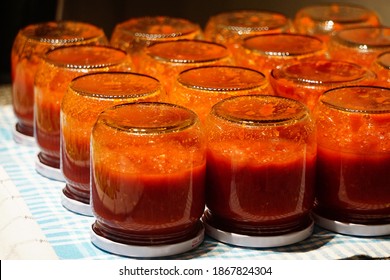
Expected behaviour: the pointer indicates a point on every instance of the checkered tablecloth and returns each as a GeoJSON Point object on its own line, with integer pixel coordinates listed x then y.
{"type": "Point", "coordinates": [69, 233]}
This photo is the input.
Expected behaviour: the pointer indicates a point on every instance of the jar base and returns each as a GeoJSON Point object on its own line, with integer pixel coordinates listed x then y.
{"type": "Point", "coordinates": [267, 241]}
{"type": "Point", "coordinates": [48, 171]}
{"type": "Point", "coordinates": [146, 251]}
{"type": "Point", "coordinates": [75, 205]}
{"type": "Point", "coordinates": [23, 139]}
{"type": "Point", "coordinates": [351, 228]}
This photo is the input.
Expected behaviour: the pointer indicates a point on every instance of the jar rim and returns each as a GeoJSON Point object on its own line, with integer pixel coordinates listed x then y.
{"type": "Point", "coordinates": [271, 111]}
{"type": "Point", "coordinates": [259, 83]}
{"type": "Point", "coordinates": [323, 8]}
{"type": "Point", "coordinates": [128, 27]}
{"type": "Point", "coordinates": [318, 47]}
{"type": "Point", "coordinates": [221, 53]}
{"type": "Point", "coordinates": [343, 37]}
{"type": "Point", "coordinates": [155, 127]}
{"type": "Point", "coordinates": [230, 20]}
{"type": "Point", "coordinates": [112, 95]}
{"type": "Point", "coordinates": [63, 64]}
{"type": "Point", "coordinates": [52, 32]}
{"type": "Point", "coordinates": [362, 101]}
{"type": "Point", "coordinates": [281, 73]}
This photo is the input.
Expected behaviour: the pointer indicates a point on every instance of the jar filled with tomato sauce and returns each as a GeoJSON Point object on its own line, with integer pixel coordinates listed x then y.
{"type": "Point", "coordinates": [230, 28]}
{"type": "Point", "coordinates": [86, 97]}
{"type": "Point", "coordinates": [199, 88]}
{"type": "Point", "coordinates": [306, 81]}
{"type": "Point", "coordinates": [360, 45]}
{"type": "Point", "coordinates": [381, 67]}
{"type": "Point", "coordinates": [30, 44]}
{"type": "Point", "coordinates": [269, 51]}
{"type": "Point", "coordinates": [59, 67]}
{"type": "Point", "coordinates": [353, 161]}
{"type": "Point", "coordinates": [323, 20]}
{"type": "Point", "coordinates": [165, 60]}
{"type": "Point", "coordinates": [134, 34]}
{"type": "Point", "coordinates": [260, 171]}
{"type": "Point", "coordinates": [148, 163]}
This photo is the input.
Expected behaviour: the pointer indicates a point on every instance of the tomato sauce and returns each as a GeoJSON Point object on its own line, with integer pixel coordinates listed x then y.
{"type": "Point", "coordinates": [31, 43]}
{"type": "Point", "coordinates": [353, 159]}
{"type": "Point", "coordinates": [148, 186]}
{"type": "Point", "coordinates": [260, 165]}
{"type": "Point", "coordinates": [165, 60]}
{"type": "Point", "coordinates": [306, 81]}
{"type": "Point", "coordinates": [86, 97]}
{"type": "Point", "coordinates": [135, 34]}
{"type": "Point", "coordinates": [52, 80]}
{"type": "Point", "coordinates": [360, 45]}
{"type": "Point", "coordinates": [253, 189]}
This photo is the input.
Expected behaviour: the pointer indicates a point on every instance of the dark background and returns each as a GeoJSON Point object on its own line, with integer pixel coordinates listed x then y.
{"type": "Point", "coordinates": [107, 13]}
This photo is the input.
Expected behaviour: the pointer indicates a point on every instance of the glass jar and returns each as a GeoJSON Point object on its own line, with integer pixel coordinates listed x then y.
{"type": "Point", "coordinates": [165, 60]}
{"type": "Point", "coordinates": [306, 81]}
{"type": "Point", "coordinates": [230, 28]}
{"type": "Point", "coordinates": [324, 19]}
{"type": "Point", "coordinates": [360, 45]}
{"type": "Point", "coordinates": [200, 88]}
{"type": "Point", "coordinates": [381, 67]}
{"type": "Point", "coordinates": [353, 160]}
{"type": "Point", "coordinates": [269, 51]}
{"type": "Point", "coordinates": [30, 44]}
{"type": "Point", "coordinates": [60, 66]}
{"type": "Point", "coordinates": [148, 179]}
{"type": "Point", "coordinates": [135, 34]}
{"type": "Point", "coordinates": [86, 97]}
{"type": "Point", "coordinates": [260, 171]}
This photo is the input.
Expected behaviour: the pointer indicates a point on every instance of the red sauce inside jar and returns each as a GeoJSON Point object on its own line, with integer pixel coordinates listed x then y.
{"type": "Point", "coordinates": [165, 60]}
{"type": "Point", "coordinates": [354, 155]}
{"type": "Point", "coordinates": [260, 165]}
{"type": "Point", "coordinates": [306, 81]}
{"type": "Point", "coordinates": [248, 195]}
{"type": "Point", "coordinates": [360, 45]}
{"type": "Point", "coordinates": [353, 187]}
{"type": "Point", "coordinates": [31, 43]}
{"type": "Point", "coordinates": [52, 80]}
{"type": "Point", "coordinates": [23, 96]}
{"type": "Point", "coordinates": [200, 88]}
{"type": "Point", "coordinates": [136, 34]}
{"type": "Point", "coordinates": [134, 208]}
{"type": "Point", "coordinates": [230, 28]}
{"type": "Point", "coordinates": [269, 51]}
{"type": "Point", "coordinates": [147, 185]}
{"type": "Point", "coordinates": [324, 19]}
{"type": "Point", "coordinates": [86, 97]}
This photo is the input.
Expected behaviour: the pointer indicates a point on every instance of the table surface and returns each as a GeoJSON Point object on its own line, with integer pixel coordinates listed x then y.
{"type": "Point", "coordinates": [31, 206]}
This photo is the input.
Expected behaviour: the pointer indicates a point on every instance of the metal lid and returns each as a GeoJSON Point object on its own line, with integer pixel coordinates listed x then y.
{"type": "Point", "coordinates": [351, 228]}
{"type": "Point", "coordinates": [146, 251]}
{"type": "Point", "coordinates": [48, 171]}
{"type": "Point", "coordinates": [258, 241]}
{"type": "Point", "coordinates": [76, 206]}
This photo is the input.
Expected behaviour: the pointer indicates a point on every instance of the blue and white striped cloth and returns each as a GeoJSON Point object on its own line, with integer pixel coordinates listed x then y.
{"type": "Point", "coordinates": [69, 233]}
